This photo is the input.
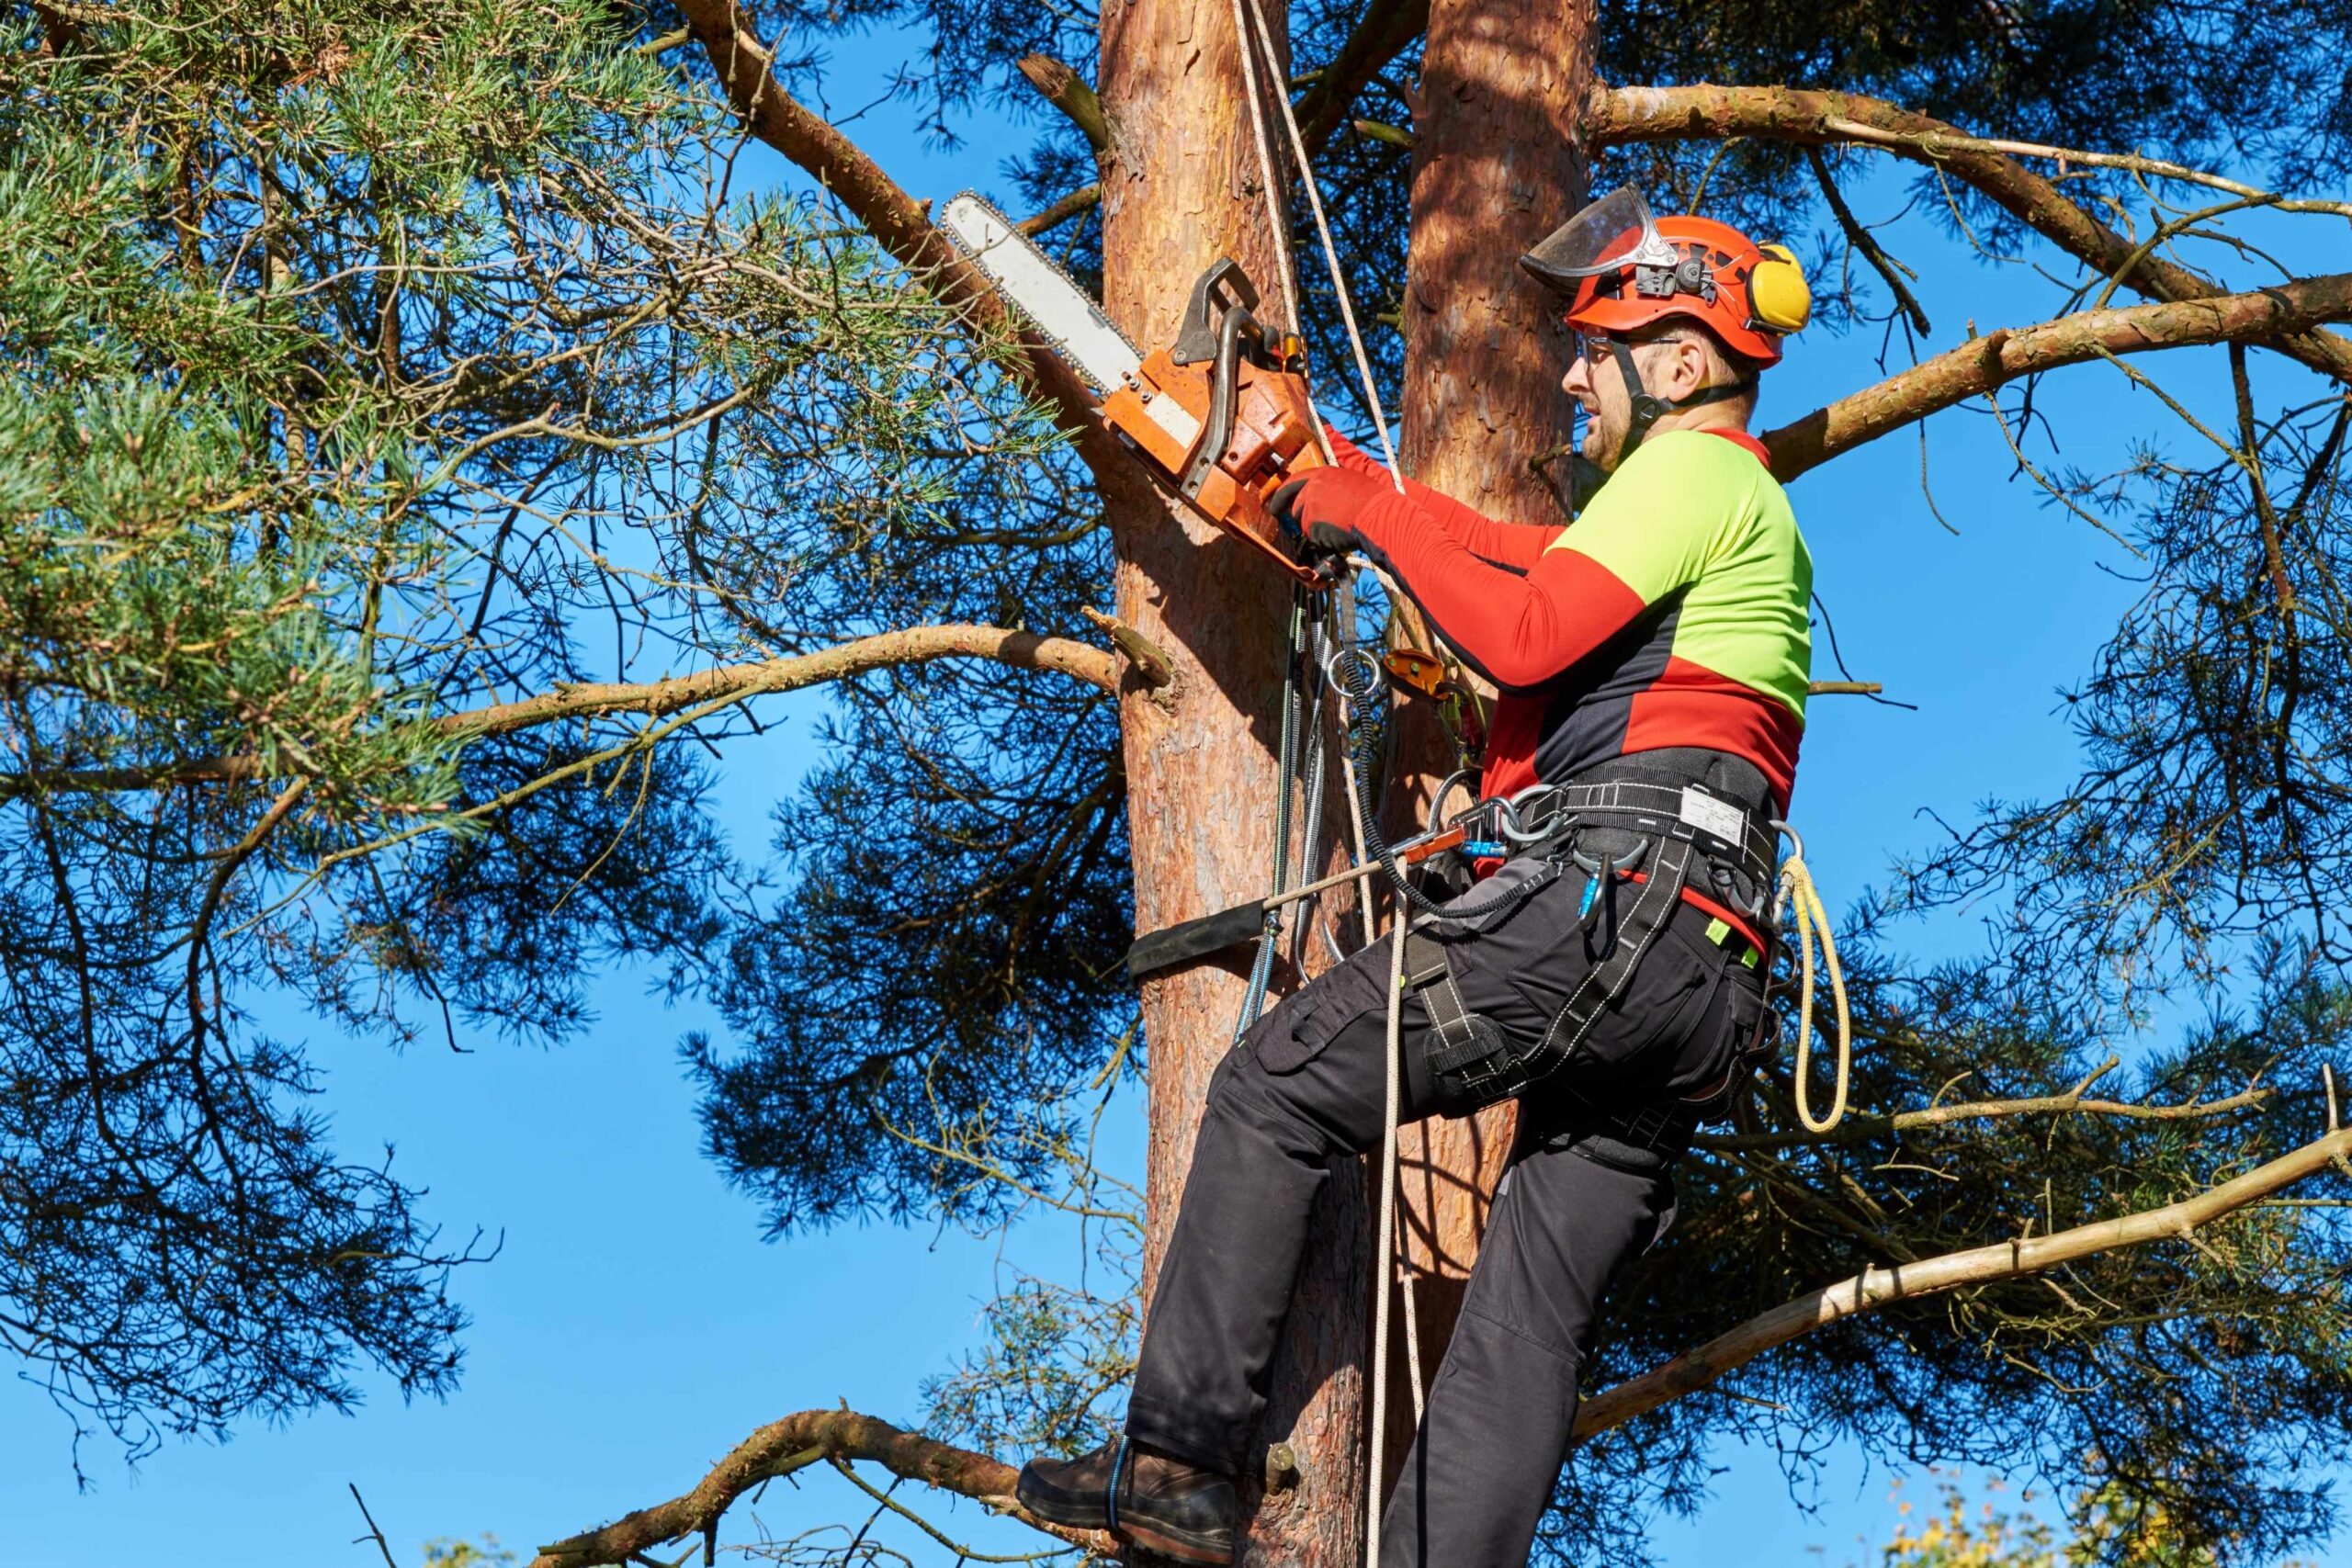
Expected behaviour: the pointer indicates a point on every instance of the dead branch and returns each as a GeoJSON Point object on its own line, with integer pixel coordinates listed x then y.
{"type": "Point", "coordinates": [1876, 1287]}
{"type": "Point", "coordinates": [1863, 1129]}
{"type": "Point", "coordinates": [917, 645]}
{"type": "Point", "coordinates": [914, 644]}
{"type": "Point", "coordinates": [1859, 236]}
{"type": "Point", "coordinates": [896, 221]}
{"type": "Point", "coordinates": [782, 1447]}
{"type": "Point", "coordinates": [1980, 365]}
{"type": "Point", "coordinates": [1820, 118]}
{"type": "Point", "coordinates": [1385, 27]}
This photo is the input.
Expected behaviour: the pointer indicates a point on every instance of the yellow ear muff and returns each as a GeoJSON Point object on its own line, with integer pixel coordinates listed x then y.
{"type": "Point", "coordinates": [1777, 297]}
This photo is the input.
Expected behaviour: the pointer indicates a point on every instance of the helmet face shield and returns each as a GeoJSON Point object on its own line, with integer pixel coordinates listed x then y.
{"type": "Point", "coordinates": [1612, 233]}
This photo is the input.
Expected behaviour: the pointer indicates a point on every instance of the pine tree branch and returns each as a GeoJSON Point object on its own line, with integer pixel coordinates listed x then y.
{"type": "Point", "coordinates": [917, 645]}
{"type": "Point", "coordinates": [1876, 1287]}
{"type": "Point", "coordinates": [901, 224]}
{"type": "Point", "coordinates": [654, 699]}
{"type": "Point", "coordinates": [1063, 87]}
{"type": "Point", "coordinates": [782, 1447]}
{"type": "Point", "coordinates": [1864, 1129]}
{"type": "Point", "coordinates": [1384, 31]}
{"type": "Point", "coordinates": [1820, 118]}
{"type": "Point", "coordinates": [1085, 199]}
{"type": "Point", "coordinates": [1983, 364]}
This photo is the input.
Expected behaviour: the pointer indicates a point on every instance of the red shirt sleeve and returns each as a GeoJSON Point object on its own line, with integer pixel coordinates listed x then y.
{"type": "Point", "coordinates": [1517, 630]}
{"type": "Point", "coordinates": [1515, 545]}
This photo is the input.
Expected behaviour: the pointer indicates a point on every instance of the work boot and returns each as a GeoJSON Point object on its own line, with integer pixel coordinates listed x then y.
{"type": "Point", "coordinates": [1161, 1504]}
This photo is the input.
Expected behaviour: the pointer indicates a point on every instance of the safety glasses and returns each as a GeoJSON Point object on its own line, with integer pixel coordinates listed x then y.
{"type": "Point", "coordinates": [1607, 235]}
{"type": "Point", "coordinates": [1592, 347]}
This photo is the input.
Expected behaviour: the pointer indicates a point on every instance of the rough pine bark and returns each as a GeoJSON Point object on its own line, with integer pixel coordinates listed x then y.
{"type": "Point", "coordinates": [1496, 164]}
{"type": "Point", "coordinates": [1179, 187]}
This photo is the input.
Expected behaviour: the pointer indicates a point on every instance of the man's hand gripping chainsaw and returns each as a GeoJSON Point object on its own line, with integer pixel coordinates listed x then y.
{"type": "Point", "coordinates": [1221, 416]}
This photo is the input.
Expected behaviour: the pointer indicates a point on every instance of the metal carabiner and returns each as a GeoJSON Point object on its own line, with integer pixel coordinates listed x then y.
{"type": "Point", "coordinates": [1593, 866]}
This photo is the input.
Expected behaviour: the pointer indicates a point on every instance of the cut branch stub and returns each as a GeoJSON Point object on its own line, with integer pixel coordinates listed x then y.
{"type": "Point", "coordinates": [1064, 88]}
{"type": "Point", "coordinates": [1153, 665]}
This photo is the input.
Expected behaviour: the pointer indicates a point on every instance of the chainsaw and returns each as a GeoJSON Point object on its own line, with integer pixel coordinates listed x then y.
{"type": "Point", "coordinates": [1222, 416]}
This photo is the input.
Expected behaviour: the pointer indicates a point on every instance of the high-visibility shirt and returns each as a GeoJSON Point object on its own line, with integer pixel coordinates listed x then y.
{"type": "Point", "coordinates": [1673, 612]}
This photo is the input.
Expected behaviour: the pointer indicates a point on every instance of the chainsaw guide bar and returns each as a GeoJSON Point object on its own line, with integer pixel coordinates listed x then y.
{"type": "Point", "coordinates": [1222, 418]}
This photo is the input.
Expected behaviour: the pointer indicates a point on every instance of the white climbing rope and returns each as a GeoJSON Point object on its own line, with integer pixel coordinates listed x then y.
{"type": "Point", "coordinates": [1385, 1245]}
{"type": "Point", "coordinates": [1383, 1248]}
{"type": "Point", "coordinates": [1323, 229]}
{"type": "Point", "coordinates": [1266, 181]}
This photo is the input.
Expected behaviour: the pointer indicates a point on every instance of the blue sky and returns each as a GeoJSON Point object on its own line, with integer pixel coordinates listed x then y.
{"type": "Point", "coordinates": [635, 1325]}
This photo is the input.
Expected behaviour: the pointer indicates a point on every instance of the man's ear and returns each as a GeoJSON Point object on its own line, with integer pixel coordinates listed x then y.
{"type": "Point", "coordinates": [1691, 356]}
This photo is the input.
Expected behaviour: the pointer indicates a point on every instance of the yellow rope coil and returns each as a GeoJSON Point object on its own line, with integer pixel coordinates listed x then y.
{"type": "Point", "coordinates": [1798, 891]}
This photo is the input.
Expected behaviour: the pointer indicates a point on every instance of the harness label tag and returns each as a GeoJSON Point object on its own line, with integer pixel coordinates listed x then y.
{"type": "Point", "coordinates": [1707, 813]}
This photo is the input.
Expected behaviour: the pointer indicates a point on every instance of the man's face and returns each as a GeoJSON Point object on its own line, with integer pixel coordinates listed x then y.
{"type": "Point", "coordinates": [1596, 381]}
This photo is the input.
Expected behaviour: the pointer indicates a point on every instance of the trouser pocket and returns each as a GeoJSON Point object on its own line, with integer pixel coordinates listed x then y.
{"type": "Point", "coordinates": [1592, 988]}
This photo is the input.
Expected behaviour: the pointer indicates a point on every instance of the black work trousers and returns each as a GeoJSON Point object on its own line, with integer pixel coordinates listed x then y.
{"type": "Point", "coordinates": [1306, 1088]}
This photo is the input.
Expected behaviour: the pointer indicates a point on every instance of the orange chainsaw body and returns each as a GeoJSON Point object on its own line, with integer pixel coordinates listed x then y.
{"type": "Point", "coordinates": [1175, 408]}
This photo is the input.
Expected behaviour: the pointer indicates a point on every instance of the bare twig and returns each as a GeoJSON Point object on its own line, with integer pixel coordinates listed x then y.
{"type": "Point", "coordinates": [374, 1533]}
{"type": "Point", "coordinates": [1862, 240]}
{"type": "Point", "coordinates": [1863, 1129]}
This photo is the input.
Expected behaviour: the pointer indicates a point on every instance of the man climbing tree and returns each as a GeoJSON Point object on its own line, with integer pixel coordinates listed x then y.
{"type": "Point", "coordinates": [424, 462]}
{"type": "Point", "coordinates": [1654, 661]}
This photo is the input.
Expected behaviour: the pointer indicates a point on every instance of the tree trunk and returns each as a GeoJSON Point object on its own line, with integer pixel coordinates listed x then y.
{"type": "Point", "coordinates": [1179, 188]}
{"type": "Point", "coordinates": [1496, 165]}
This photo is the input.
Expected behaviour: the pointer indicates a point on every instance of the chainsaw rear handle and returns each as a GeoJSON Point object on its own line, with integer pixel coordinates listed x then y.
{"type": "Point", "coordinates": [1198, 338]}
{"type": "Point", "coordinates": [1217, 433]}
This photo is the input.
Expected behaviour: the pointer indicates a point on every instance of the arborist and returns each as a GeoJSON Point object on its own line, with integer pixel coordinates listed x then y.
{"type": "Point", "coordinates": [1652, 659]}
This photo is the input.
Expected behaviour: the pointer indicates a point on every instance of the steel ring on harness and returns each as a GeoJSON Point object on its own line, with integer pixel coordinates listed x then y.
{"type": "Point", "coordinates": [1458, 778]}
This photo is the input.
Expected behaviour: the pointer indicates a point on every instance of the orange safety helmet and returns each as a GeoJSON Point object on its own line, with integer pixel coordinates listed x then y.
{"type": "Point", "coordinates": [1623, 269]}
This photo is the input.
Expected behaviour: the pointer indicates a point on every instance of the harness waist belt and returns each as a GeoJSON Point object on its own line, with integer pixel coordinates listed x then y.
{"type": "Point", "coordinates": [1725, 830]}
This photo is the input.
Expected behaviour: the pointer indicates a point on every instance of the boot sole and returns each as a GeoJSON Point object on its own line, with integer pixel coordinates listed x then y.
{"type": "Point", "coordinates": [1173, 1547]}
{"type": "Point", "coordinates": [1077, 1517]}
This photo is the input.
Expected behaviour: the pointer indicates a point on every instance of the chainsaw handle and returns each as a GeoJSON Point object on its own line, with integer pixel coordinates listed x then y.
{"type": "Point", "coordinates": [1217, 435]}
{"type": "Point", "coordinates": [1197, 338]}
